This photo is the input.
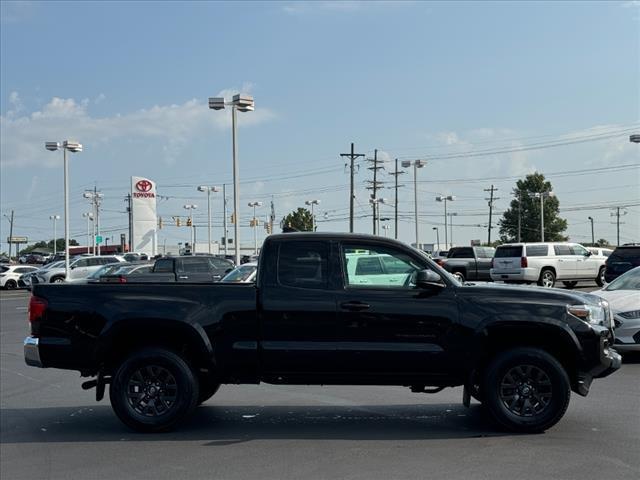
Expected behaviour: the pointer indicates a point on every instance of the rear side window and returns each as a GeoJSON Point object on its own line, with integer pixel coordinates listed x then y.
{"type": "Point", "coordinates": [303, 264]}
{"type": "Point", "coordinates": [194, 265]}
{"type": "Point", "coordinates": [163, 266]}
{"type": "Point", "coordinates": [562, 249]}
{"type": "Point", "coordinates": [537, 250]}
{"type": "Point", "coordinates": [509, 252]}
{"type": "Point", "coordinates": [485, 252]}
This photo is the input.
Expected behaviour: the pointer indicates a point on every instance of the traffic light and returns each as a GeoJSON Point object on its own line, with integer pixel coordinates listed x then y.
{"type": "Point", "coordinates": [189, 222]}
{"type": "Point", "coordinates": [233, 218]}
{"type": "Point", "coordinates": [267, 227]}
{"type": "Point", "coordinates": [177, 221]}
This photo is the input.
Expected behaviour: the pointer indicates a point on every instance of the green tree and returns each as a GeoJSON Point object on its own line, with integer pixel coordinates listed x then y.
{"type": "Point", "coordinates": [49, 245]}
{"type": "Point", "coordinates": [529, 213]}
{"type": "Point", "coordinates": [299, 219]}
{"type": "Point", "coordinates": [602, 243]}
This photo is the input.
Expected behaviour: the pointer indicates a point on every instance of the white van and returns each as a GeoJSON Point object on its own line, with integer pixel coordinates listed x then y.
{"type": "Point", "coordinates": [546, 263]}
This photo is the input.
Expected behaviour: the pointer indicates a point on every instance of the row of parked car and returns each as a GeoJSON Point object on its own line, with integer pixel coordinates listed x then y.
{"type": "Point", "coordinates": [544, 264]}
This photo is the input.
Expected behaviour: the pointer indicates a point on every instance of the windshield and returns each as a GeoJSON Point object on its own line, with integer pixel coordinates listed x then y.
{"type": "Point", "coordinates": [628, 281]}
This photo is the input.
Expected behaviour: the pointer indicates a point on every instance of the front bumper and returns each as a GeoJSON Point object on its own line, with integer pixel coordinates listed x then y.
{"type": "Point", "coordinates": [32, 352]}
{"type": "Point", "coordinates": [609, 362]}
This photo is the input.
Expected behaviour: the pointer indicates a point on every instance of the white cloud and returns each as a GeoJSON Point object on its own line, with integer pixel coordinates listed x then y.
{"type": "Point", "coordinates": [173, 126]}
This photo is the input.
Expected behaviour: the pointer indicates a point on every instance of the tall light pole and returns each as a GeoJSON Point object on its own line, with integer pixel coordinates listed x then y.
{"type": "Point", "coordinates": [542, 196]}
{"type": "Point", "coordinates": [312, 203]}
{"type": "Point", "coordinates": [445, 199]}
{"type": "Point", "coordinates": [254, 223]}
{"type": "Point", "coordinates": [593, 238]}
{"type": "Point", "coordinates": [385, 227]}
{"type": "Point", "coordinates": [208, 189]}
{"type": "Point", "coordinates": [437, 237]}
{"type": "Point", "coordinates": [243, 103]}
{"type": "Point", "coordinates": [89, 217]}
{"type": "Point", "coordinates": [55, 218]}
{"type": "Point", "coordinates": [73, 147]}
{"type": "Point", "coordinates": [377, 202]}
{"type": "Point", "coordinates": [451, 215]}
{"type": "Point", "coordinates": [190, 208]}
{"type": "Point", "coordinates": [416, 165]}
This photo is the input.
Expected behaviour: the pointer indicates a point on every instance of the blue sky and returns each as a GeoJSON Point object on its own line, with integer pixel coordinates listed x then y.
{"type": "Point", "coordinates": [412, 79]}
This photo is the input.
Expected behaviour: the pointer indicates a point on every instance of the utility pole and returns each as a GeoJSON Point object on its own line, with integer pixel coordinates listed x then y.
{"type": "Point", "coordinates": [10, 234]}
{"type": "Point", "coordinates": [491, 199]}
{"type": "Point", "coordinates": [375, 185]}
{"type": "Point", "coordinates": [618, 214]}
{"type": "Point", "coordinates": [519, 216]}
{"type": "Point", "coordinates": [352, 156]}
{"type": "Point", "coordinates": [224, 217]}
{"type": "Point", "coordinates": [593, 237]}
{"type": "Point", "coordinates": [130, 215]}
{"type": "Point", "coordinates": [396, 173]}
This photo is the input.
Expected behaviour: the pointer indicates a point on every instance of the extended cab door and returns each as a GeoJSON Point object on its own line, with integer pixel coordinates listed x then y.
{"type": "Point", "coordinates": [297, 307]}
{"type": "Point", "coordinates": [392, 330]}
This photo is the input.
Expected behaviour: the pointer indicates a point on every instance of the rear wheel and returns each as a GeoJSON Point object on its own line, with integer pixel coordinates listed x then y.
{"type": "Point", "coordinates": [57, 280]}
{"type": "Point", "coordinates": [153, 390]}
{"type": "Point", "coordinates": [570, 284]}
{"type": "Point", "coordinates": [10, 285]}
{"type": "Point", "coordinates": [547, 278]}
{"type": "Point", "coordinates": [526, 390]}
{"type": "Point", "coordinates": [600, 278]}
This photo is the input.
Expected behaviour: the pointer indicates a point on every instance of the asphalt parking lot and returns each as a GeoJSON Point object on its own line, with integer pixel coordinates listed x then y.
{"type": "Point", "coordinates": [51, 429]}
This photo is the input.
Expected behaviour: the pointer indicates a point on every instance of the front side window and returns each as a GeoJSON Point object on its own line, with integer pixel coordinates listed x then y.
{"type": "Point", "coordinates": [378, 267]}
{"type": "Point", "coordinates": [81, 263]}
{"type": "Point", "coordinates": [578, 250]}
{"type": "Point", "coordinates": [304, 264]}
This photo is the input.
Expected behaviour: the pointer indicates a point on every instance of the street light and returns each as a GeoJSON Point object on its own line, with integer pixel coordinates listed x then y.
{"type": "Point", "coordinates": [89, 217]}
{"type": "Point", "coordinates": [385, 227]}
{"type": "Point", "coordinates": [243, 103]}
{"type": "Point", "coordinates": [208, 189]}
{"type": "Point", "coordinates": [437, 236]}
{"type": "Point", "coordinates": [416, 165]}
{"type": "Point", "coordinates": [312, 203]}
{"type": "Point", "coordinates": [73, 147]}
{"type": "Point", "coordinates": [54, 218]}
{"type": "Point", "coordinates": [593, 238]}
{"type": "Point", "coordinates": [541, 196]}
{"type": "Point", "coordinates": [451, 215]}
{"type": "Point", "coordinates": [445, 199]}
{"type": "Point", "coordinates": [190, 208]}
{"type": "Point", "coordinates": [254, 223]}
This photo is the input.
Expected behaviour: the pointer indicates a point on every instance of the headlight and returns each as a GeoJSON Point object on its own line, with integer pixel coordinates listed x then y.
{"type": "Point", "coordinates": [593, 314]}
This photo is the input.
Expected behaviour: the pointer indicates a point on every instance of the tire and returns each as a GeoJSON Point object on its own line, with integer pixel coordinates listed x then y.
{"type": "Point", "coordinates": [526, 390]}
{"type": "Point", "coordinates": [10, 285]}
{"type": "Point", "coordinates": [600, 278]}
{"type": "Point", "coordinates": [169, 390]}
{"type": "Point", "coordinates": [547, 278]}
{"type": "Point", "coordinates": [570, 284]}
{"type": "Point", "coordinates": [57, 280]}
{"type": "Point", "coordinates": [207, 390]}
{"type": "Point", "coordinates": [459, 275]}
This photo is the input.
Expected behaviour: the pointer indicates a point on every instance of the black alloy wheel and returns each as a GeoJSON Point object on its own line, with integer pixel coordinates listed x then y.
{"type": "Point", "coordinates": [526, 390]}
{"type": "Point", "coordinates": [10, 285]}
{"type": "Point", "coordinates": [153, 390]}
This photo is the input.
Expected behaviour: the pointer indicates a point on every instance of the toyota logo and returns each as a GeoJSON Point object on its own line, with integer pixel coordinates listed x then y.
{"type": "Point", "coordinates": [144, 185]}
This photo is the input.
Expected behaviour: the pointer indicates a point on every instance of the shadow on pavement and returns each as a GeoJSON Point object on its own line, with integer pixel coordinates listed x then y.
{"type": "Point", "coordinates": [225, 425]}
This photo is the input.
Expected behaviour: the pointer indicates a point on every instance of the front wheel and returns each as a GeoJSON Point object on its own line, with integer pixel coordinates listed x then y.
{"type": "Point", "coordinates": [526, 390]}
{"type": "Point", "coordinates": [57, 280]}
{"type": "Point", "coordinates": [153, 390]}
{"type": "Point", "coordinates": [10, 285]}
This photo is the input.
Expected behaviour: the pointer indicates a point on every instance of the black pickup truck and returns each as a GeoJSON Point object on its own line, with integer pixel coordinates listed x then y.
{"type": "Point", "coordinates": [318, 314]}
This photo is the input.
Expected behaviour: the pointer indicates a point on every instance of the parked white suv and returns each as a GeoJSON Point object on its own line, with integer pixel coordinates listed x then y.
{"type": "Point", "coordinates": [79, 269]}
{"type": "Point", "coordinates": [10, 274]}
{"type": "Point", "coordinates": [546, 263]}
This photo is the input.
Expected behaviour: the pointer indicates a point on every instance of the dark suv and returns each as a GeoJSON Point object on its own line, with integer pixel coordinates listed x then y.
{"type": "Point", "coordinates": [622, 259]}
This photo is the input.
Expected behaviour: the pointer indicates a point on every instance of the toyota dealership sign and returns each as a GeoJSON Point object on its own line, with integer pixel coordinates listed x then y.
{"type": "Point", "coordinates": [144, 219]}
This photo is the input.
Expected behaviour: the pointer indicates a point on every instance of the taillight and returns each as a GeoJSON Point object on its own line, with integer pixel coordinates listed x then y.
{"type": "Point", "coordinates": [523, 262]}
{"type": "Point", "coordinates": [37, 307]}
{"type": "Point", "coordinates": [122, 279]}
{"type": "Point", "coordinates": [439, 261]}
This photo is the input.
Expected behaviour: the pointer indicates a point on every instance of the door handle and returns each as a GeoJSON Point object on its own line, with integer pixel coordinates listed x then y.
{"type": "Point", "coordinates": [355, 306]}
{"type": "Point", "coordinates": [183, 277]}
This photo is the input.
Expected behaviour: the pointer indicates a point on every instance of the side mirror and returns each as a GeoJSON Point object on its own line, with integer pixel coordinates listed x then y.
{"type": "Point", "coordinates": [428, 278]}
{"type": "Point", "coordinates": [588, 254]}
